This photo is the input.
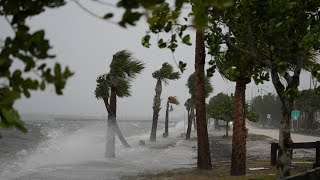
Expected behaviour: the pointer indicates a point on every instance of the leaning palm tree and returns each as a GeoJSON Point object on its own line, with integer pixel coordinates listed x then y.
{"type": "Point", "coordinates": [123, 69]}
{"type": "Point", "coordinates": [171, 100]}
{"type": "Point", "coordinates": [190, 110]}
{"type": "Point", "coordinates": [164, 74]}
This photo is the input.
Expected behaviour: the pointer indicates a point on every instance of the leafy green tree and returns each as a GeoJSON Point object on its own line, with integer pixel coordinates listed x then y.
{"type": "Point", "coordinates": [171, 100]}
{"type": "Point", "coordinates": [235, 66]}
{"type": "Point", "coordinates": [221, 107]}
{"type": "Point", "coordinates": [268, 104]}
{"type": "Point", "coordinates": [266, 23]}
{"type": "Point", "coordinates": [164, 74]}
{"type": "Point", "coordinates": [116, 83]}
{"type": "Point", "coordinates": [308, 102]}
{"type": "Point", "coordinates": [31, 49]}
{"type": "Point", "coordinates": [298, 22]}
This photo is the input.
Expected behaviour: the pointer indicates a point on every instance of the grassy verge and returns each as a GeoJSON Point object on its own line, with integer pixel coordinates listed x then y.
{"type": "Point", "coordinates": [221, 171]}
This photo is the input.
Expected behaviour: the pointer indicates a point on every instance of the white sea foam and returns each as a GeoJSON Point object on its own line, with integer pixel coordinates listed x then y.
{"type": "Point", "coordinates": [83, 152]}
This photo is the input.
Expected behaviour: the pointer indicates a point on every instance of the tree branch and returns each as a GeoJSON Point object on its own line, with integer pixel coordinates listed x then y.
{"type": "Point", "coordinates": [104, 3]}
{"type": "Point", "coordinates": [231, 44]}
{"type": "Point", "coordinates": [276, 81]}
{"type": "Point", "coordinates": [92, 13]}
{"type": "Point", "coordinates": [8, 21]}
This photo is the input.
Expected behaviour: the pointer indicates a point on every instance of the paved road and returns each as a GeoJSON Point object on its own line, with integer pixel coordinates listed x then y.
{"type": "Point", "coordinates": [274, 133]}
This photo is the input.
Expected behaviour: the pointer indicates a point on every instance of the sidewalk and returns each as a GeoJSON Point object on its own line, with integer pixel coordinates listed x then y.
{"type": "Point", "coordinates": [274, 134]}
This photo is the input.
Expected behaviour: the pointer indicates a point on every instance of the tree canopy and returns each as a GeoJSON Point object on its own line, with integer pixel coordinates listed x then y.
{"type": "Point", "coordinates": [32, 50]}
{"type": "Point", "coordinates": [123, 68]}
{"type": "Point", "coordinates": [166, 72]}
{"type": "Point", "coordinates": [221, 107]}
{"type": "Point", "coordinates": [268, 104]}
{"type": "Point", "coordinates": [191, 86]}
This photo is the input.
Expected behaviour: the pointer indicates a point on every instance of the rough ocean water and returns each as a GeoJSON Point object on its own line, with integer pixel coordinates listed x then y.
{"type": "Point", "coordinates": [74, 149]}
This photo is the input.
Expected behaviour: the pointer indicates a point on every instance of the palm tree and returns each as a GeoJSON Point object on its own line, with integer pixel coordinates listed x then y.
{"type": "Point", "coordinates": [192, 89]}
{"type": "Point", "coordinates": [204, 159]}
{"type": "Point", "coordinates": [171, 100]}
{"type": "Point", "coordinates": [199, 89]}
{"type": "Point", "coordinates": [164, 74]}
{"type": "Point", "coordinates": [190, 109]}
{"type": "Point", "coordinates": [123, 69]}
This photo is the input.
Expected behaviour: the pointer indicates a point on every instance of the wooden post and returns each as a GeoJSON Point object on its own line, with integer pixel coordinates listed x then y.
{"type": "Point", "coordinates": [274, 147]}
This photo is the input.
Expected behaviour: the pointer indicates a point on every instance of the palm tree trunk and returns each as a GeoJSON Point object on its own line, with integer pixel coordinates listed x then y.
{"type": "Point", "coordinates": [156, 109]}
{"type": "Point", "coordinates": [110, 151]}
{"type": "Point", "coordinates": [119, 134]}
{"type": "Point", "coordinates": [190, 114]}
{"type": "Point", "coordinates": [110, 144]}
{"type": "Point", "coordinates": [204, 159]}
{"type": "Point", "coordinates": [113, 126]}
{"type": "Point", "coordinates": [238, 159]}
{"type": "Point", "coordinates": [166, 126]}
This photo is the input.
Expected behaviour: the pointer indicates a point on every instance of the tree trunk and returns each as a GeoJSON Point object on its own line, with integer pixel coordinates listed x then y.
{"type": "Point", "coordinates": [166, 125]}
{"type": "Point", "coordinates": [110, 151]}
{"type": "Point", "coordinates": [156, 109]}
{"type": "Point", "coordinates": [238, 159]}
{"type": "Point", "coordinates": [194, 121]}
{"type": "Point", "coordinates": [285, 143]}
{"type": "Point", "coordinates": [227, 128]}
{"type": "Point", "coordinates": [311, 120]}
{"type": "Point", "coordinates": [204, 159]}
{"type": "Point", "coordinates": [113, 126]}
{"type": "Point", "coordinates": [119, 134]}
{"type": "Point", "coordinates": [190, 114]}
{"type": "Point", "coordinates": [112, 113]}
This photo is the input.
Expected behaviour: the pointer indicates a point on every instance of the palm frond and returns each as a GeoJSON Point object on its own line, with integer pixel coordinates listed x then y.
{"type": "Point", "coordinates": [166, 72]}
{"type": "Point", "coordinates": [173, 100]}
{"type": "Point", "coordinates": [102, 88]}
{"type": "Point", "coordinates": [123, 88]}
{"type": "Point", "coordinates": [191, 85]}
{"type": "Point", "coordinates": [124, 65]}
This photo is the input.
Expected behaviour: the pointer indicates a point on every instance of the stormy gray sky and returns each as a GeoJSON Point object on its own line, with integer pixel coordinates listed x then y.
{"type": "Point", "coordinates": [86, 45]}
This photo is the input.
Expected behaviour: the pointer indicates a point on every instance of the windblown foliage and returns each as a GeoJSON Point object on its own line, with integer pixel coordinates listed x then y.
{"type": "Point", "coordinates": [31, 49]}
